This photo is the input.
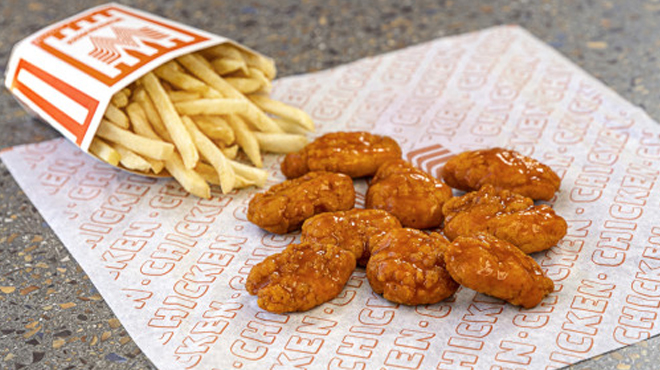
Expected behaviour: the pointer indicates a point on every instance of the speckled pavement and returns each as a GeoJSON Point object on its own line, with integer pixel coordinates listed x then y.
{"type": "Point", "coordinates": [51, 316]}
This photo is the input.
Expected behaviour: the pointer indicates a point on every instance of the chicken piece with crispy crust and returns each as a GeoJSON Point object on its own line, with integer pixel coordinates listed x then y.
{"type": "Point", "coordinates": [412, 195]}
{"type": "Point", "coordinates": [300, 277]}
{"type": "Point", "coordinates": [285, 206]}
{"type": "Point", "coordinates": [407, 266]}
{"type": "Point", "coordinates": [356, 154]}
{"type": "Point", "coordinates": [352, 230]}
{"type": "Point", "coordinates": [506, 215]}
{"type": "Point", "coordinates": [504, 169]}
{"type": "Point", "coordinates": [494, 267]}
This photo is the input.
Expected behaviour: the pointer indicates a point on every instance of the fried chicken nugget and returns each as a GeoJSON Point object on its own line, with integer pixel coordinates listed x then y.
{"type": "Point", "coordinates": [506, 215]}
{"type": "Point", "coordinates": [356, 154]}
{"type": "Point", "coordinates": [285, 206]}
{"type": "Point", "coordinates": [407, 266]}
{"type": "Point", "coordinates": [300, 277]}
{"type": "Point", "coordinates": [412, 195]}
{"type": "Point", "coordinates": [352, 230]}
{"type": "Point", "coordinates": [504, 169]}
{"type": "Point", "coordinates": [494, 267]}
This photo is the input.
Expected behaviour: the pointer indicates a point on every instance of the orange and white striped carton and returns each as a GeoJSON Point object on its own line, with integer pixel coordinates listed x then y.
{"type": "Point", "coordinates": [67, 73]}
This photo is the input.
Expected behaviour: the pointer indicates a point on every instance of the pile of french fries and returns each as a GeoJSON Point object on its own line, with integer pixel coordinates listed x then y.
{"type": "Point", "coordinates": [193, 116]}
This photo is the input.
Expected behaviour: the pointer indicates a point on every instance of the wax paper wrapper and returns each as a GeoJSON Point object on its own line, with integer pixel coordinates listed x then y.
{"type": "Point", "coordinates": [173, 267]}
{"type": "Point", "coordinates": [66, 73]}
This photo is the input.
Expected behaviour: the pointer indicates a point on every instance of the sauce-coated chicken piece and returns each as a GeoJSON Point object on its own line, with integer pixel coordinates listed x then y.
{"type": "Point", "coordinates": [356, 154]}
{"type": "Point", "coordinates": [504, 169]}
{"type": "Point", "coordinates": [407, 266]}
{"type": "Point", "coordinates": [352, 230]}
{"type": "Point", "coordinates": [506, 215]}
{"type": "Point", "coordinates": [301, 277]}
{"type": "Point", "coordinates": [494, 267]}
{"type": "Point", "coordinates": [285, 206]}
{"type": "Point", "coordinates": [412, 195]}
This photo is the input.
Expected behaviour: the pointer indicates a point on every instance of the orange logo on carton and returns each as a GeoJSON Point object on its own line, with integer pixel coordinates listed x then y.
{"type": "Point", "coordinates": [110, 43]}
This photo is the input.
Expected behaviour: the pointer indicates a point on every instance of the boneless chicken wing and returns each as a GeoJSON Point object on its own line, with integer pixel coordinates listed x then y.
{"type": "Point", "coordinates": [506, 215]}
{"type": "Point", "coordinates": [407, 266]}
{"type": "Point", "coordinates": [355, 154]}
{"type": "Point", "coordinates": [504, 169]}
{"type": "Point", "coordinates": [410, 194]}
{"type": "Point", "coordinates": [301, 277]}
{"type": "Point", "coordinates": [494, 267]}
{"type": "Point", "coordinates": [352, 230]}
{"type": "Point", "coordinates": [285, 206]}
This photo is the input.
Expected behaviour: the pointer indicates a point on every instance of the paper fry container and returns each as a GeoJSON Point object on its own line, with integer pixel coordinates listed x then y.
{"type": "Point", "coordinates": [67, 73]}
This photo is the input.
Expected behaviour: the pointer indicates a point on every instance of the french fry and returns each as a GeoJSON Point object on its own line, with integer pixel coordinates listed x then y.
{"type": "Point", "coordinates": [139, 121]}
{"type": "Point", "coordinates": [198, 68]}
{"type": "Point", "coordinates": [213, 155]}
{"type": "Point", "coordinates": [156, 165]}
{"type": "Point", "coordinates": [120, 99]}
{"type": "Point", "coordinates": [189, 179]}
{"type": "Point", "coordinates": [283, 111]}
{"type": "Point", "coordinates": [253, 60]}
{"type": "Point", "coordinates": [172, 73]}
{"type": "Point", "coordinates": [242, 182]}
{"type": "Point", "coordinates": [246, 139]}
{"type": "Point", "coordinates": [223, 66]}
{"type": "Point", "coordinates": [172, 121]}
{"type": "Point", "coordinates": [127, 91]}
{"type": "Point", "coordinates": [252, 174]}
{"type": "Point", "coordinates": [166, 86]}
{"type": "Point", "coordinates": [179, 96]}
{"type": "Point", "coordinates": [212, 106]}
{"type": "Point", "coordinates": [266, 65]}
{"type": "Point", "coordinates": [215, 128]}
{"type": "Point", "coordinates": [116, 116]}
{"type": "Point", "coordinates": [259, 76]}
{"type": "Point", "coordinates": [208, 173]}
{"type": "Point", "coordinates": [152, 115]}
{"type": "Point", "coordinates": [224, 51]}
{"type": "Point", "coordinates": [104, 151]}
{"type": "Point", "coordinates": [290, 127]}
{"type": "Point", "coordinates": [130, 160]}
{"type": "Point", "coordinates": [280, 143]}
{"type": "Point", "coordinates": [230, 151]}
{"type": "Point", "coordinates": [141, 127]}
{"type": "Point", "coordinates": [204, 61]}
{"type": "Point", "coordinates": [142, 145]}
{"type": "Point", "coordinates": [244, 85]}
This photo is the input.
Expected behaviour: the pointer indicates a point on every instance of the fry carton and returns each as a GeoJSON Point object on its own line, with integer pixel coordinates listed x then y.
{"type": "Point", "coordinates": [75, 75]}
{"type": "Point", "coordinates": [67, 73]}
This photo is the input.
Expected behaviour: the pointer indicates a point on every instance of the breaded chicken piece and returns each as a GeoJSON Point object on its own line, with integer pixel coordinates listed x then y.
{"type": "Point", "coordinates": [351, 230]}
{"type": "Point", "coordinates": [506, 215]}
{"type": "Point", "coordinates": [504, 169]}
{"type": "Point", "coordinates": [407, 266]}
{"type": "Point", "coordinates": [494, 267]}
{"type": "Point", "coordinates": [285, 206]}
{"type": "Point", "coordinates": [300, 277]}
{"type": "Point", "coordinates": [356, 154]}
{"type": "Point", "coordinates": [412, 195]}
